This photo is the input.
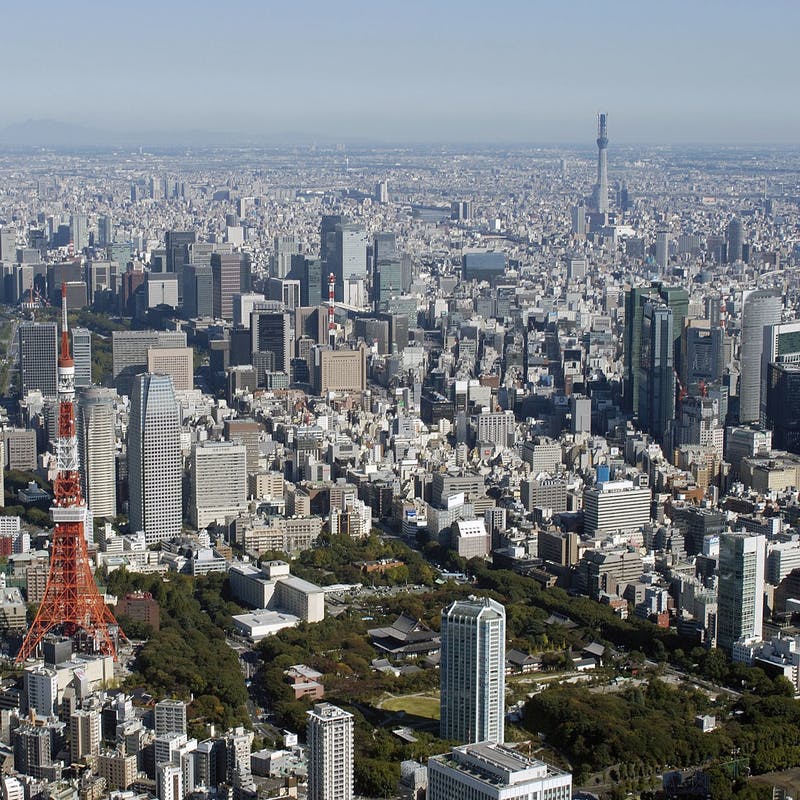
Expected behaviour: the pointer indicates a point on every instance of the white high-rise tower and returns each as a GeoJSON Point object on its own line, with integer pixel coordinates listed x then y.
{"type": "Point", "coordinates": [760, 308]}
{"type": "Point", "coordinates": [740, 605]}
{"type": "Point", "coordinates": [330, 753]}
{"type": "Point", "coordinates": [96, 450]}
{"type": "Point", "coordinates": [472, 671]}
{"type": "Point", "coordinates": [154, 459]}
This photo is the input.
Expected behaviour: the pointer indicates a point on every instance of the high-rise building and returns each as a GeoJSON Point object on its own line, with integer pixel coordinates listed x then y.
{"type": "Point", "coordinates": [271, 332]}
{"type": "Point", "coordinates": [129, 353]}
{"type": "Point", "coordinates": [219, 482]}
{"type": "Point", "coordinates": [381, 194]}
{"type": "Point", "coordinates": [388, 278]}
{"type": "Point", "coordinates": [329, 733]}
{"type": "Point", "coordinates": [118, 769]}
{"type": "Point", "coordinates": [176, 244]}
{"type": "Point", "coordinates": [154, 459]}
{"type": "Point", "coordinates": [32, 749]}
{"type": "Point", "coordinates": [760, 308]}
{"type": "Point", "coordinates": [285, 291]}
{"type": "Point", "coordinates": [82, 356]}
{"type": "Point", "coordinates": [229, 278]}
{"type": "Point", "coordinates": [782, 413]}
{"type": "Point", "coordinates": [311, 293]}
{"type": "Point", "coordinates": [327, 239]}
{"type": "Point", "coordinates": [615, 506]}
{"type": "Point", "coordinates": [349, 256]}
{"type": "Point", "coordinates": [472, 671]}
{"type": "Point", "coordinates": [79, 231]}
{"type": "Point", "coordinates": [579, 220]}
{"type": "Point", "coordinates": [600, 192]}
{"type": "Point", "coordinates": [656, 376]}
{"type": "Point", "coordinates": [170, 717]}
{"type": "Point", "coordinates": [781, 346]}
{"type": "Point", "coordinates": [248, 433]}
{"type": "Point", "coordinates": [105, 230]}
{"type": "Point", "coordinates": [285, 248]}
{"type": "Point", "coordinates": [662, 249]}
{"type": "Point", "coordinates": [740, 610]}
{"type": "Point", "coordinates": [41, 684]}
{"type": "Point", "coordinates": [489, 771]}
{"type": "Point", "coordinates": [735, 240]}
{"type": "Point", "coordinates": [37, 357]}
{"type": "Point", "coordinates": [632, 344]}
{"type": "Point", "coordinates": [96, 450]}
{"type": "Point", "coordinates": [177, 362]}
{"type": "Point", "coordinates": [701, 354]}
{"type": "Point", "coordinates": [338, 370]}
{"type": "Point", "coordinates": [198, 291]}
{"type": "Point", "coordinates": [84, 729]}
{"type": "Point", "coordinates": [677, 299]}
{"type": "Point", "coordinates": [169, 782]}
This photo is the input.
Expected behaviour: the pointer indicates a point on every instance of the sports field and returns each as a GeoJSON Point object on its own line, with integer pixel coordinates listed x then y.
{"type": "Point", "coordinates": [419, 705]}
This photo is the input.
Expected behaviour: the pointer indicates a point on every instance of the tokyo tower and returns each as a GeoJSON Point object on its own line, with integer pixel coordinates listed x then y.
{"type": "Point", "coordinates": [72, 605]}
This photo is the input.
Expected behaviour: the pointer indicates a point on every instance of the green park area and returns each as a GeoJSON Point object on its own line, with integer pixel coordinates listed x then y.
{"type": "Point", "coordinates": [418, 705]}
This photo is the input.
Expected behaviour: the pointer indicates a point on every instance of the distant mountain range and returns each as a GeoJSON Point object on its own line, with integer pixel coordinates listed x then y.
{"type": "Point", "coordinates": [52, 133]}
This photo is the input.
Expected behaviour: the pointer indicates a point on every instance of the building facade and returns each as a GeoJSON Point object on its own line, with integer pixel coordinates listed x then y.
{"type": "Point", "coordinates": [472, 671]}
{"type": "Point", "coordinates": [329, 733]}
{"type": "Point", "coordinates": [155, 468]}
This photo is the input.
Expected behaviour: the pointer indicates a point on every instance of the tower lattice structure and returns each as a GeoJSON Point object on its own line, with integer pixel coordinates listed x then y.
{"type": "Point", "coordinates": [72, 604]}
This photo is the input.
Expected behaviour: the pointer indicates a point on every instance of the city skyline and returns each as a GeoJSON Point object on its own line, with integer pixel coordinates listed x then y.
{"type": "Point", "coordinates": [683, 73]}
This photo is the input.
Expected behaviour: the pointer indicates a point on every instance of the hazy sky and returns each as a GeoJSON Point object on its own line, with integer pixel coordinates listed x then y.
{"type": "Point", "coordinates": [496, 70]}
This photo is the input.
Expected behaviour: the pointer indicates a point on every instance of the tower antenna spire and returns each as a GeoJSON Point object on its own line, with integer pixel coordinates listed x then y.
{"type": "Point", "coordinates": [601, 187]}
{"type": "Point", "coordinates": [72, 604]}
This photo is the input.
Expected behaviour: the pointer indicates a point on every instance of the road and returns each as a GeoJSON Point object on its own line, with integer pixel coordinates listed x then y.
{"type": "Point", "coordinates": [249, 663]}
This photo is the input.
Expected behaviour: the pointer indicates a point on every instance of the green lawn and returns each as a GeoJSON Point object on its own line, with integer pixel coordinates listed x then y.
{"type": "Point", "coordinates": [420, 705]}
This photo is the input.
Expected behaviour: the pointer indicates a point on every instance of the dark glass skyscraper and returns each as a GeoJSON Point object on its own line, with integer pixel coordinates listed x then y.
{"type": "Point", "coordinates": [388, 275]}
{"type": "Point", "coordinates": [783, 406]}
{"type": "Point", "coordinates": [37, 357]}
{"type": "Point", "coordinates": [656, 375]}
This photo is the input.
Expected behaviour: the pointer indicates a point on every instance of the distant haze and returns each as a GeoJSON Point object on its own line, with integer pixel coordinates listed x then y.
{"type": "Point", "coordinates": [524, 71]}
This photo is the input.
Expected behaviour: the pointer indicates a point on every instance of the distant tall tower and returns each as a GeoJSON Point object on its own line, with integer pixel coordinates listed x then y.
{"type": "Point", "coordinates": [601, 187]}
{"type": "Point", "coordinates": [472, 671]}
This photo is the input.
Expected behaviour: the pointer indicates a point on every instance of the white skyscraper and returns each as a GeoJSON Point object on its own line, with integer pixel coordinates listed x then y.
{"type": "Point", "coordinates": [219, 482]}
{"type": "Point", "coordinates": [96, 450]}
{"type": "Point", "coordinates": [759, 309]}
{"type": "Point", "coordinates": [330, 753]}
{"type": "Point", "coordinates": [154, 459]}
{"type": "Point", "coordinates": [472, 671]}
{"type": "Point", "coordinates": [740, 610]}
{"type": "Point", "coordinates": [82, 356]}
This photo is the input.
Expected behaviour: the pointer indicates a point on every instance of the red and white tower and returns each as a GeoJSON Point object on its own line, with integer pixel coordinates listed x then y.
{"type": "Point", "coordinates": [72, 605]}
{"type": "Point", "coordinates": [331, 323]}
